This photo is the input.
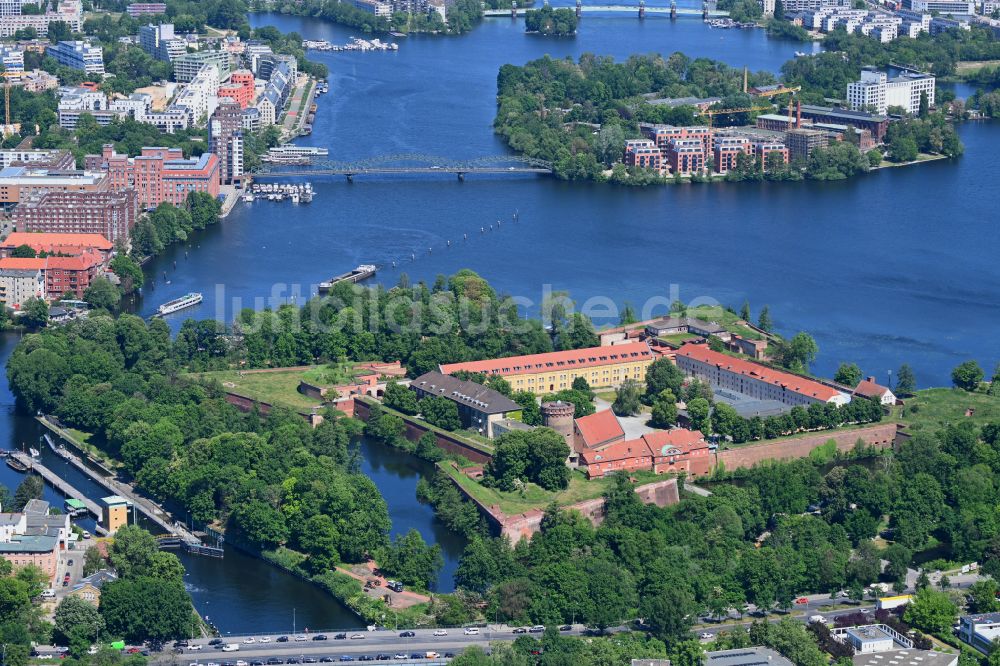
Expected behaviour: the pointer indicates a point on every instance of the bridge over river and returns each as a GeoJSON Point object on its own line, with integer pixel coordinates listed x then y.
{"type": "Point", "coordinates": [706, 11]}
{"type": "Point", "coordinates": [406, 164]}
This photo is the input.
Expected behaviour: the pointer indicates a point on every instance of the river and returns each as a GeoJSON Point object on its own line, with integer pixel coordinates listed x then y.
{"type": "Point", "coordinates": [898, 266]}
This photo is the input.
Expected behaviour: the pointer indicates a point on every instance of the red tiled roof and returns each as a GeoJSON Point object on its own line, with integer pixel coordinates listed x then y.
{"type": "Point", "coordinates": [682, 439]}
{"type": "Point", "coordinates": [786, 380]}
{"type": "Point", "coordinates": [81, 262]}
{"type": "Point", "coordinates": [574, 358]}
{"type": "Point", "coordinates": [631, 448]}
{"type": "Point", "coordinates": [870, 389]}
{"type": "Point", "coordinates": [23, 263]}
{"type": "Point", "coordinates": [49, 240]}
{"type": "Point", "coordinates": [599, 428]}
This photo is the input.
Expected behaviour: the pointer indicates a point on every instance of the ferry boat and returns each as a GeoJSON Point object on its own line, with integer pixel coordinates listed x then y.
{"type": "Point", "coordinates": [291, 154]}
{"type": "Point", "coordinates": [362, 272]}
{"type": "Point", "coordinates": [179, 304]}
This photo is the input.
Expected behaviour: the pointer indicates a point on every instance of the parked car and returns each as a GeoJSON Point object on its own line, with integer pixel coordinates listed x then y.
{"type": "Point", "coordinates": [801, 600]}
{"type": "Point", "coordinates": [440, 632]}
{"type": "Point", "coordinates": [537, 629]}
{"type": "Point", "coordinates": [566, 627]}
{"type": "Point", "coordinates": [407, 634]}
{"type": "Point", "coordinates": [282, 639]}
{"type": "Point", "coordinates": [216, 641]}
{"type": "Point", "coordinates": [319, 637]}
{"type": "Point", "coordinates": [339, 637]}
{"type": "Point", "coordinates": [471, 631]}
{"type": "Point", "coordinates": [357, 637]}
{"type": "Point", "coordinates": [520, 630]}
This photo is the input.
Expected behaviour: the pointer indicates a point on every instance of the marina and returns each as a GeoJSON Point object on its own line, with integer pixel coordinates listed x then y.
{"type": "Point", "coordinates": [53, 480]}
{"type": "Point", "coordinates": [362, 272]}
{"type": "Point", "coordinates": [295, 192]}
{"type": "Point", "coordinates": [356, 44]}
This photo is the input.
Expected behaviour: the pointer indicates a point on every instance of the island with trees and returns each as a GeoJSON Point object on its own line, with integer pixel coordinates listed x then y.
{"type": "Point", "coordinates": [552, 22]}
{"type": "Point", "coordinates": [577, 115]}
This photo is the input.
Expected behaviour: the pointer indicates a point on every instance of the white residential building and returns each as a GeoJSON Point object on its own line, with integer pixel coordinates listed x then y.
{"type": "Point", "coordinates": [18, 285]}
{"type": "Point", "coordinates": [72, 98]}
{"type": "Point", "coordinates": [877, 91]}
{"type": "Point", "coordinates": [200, 96]}
{"type": "Point", "coordinates": [136, 106]}
{"type": "Point", "coordinates": [962, 7]}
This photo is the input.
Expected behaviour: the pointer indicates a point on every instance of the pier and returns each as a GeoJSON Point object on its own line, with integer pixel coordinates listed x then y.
{"type": "Point", "coordinates": [148, 508]}
{"type": "Point", "coordinates": [56, 482]}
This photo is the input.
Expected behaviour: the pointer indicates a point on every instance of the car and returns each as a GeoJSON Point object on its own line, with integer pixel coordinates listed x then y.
{"type": "Point", "coordinates": [407, 634]}
{"type": "Point", "coordinates": [156, 646]}
{"type": "Point", "coordinates": [229, 663]}
{"type": "Point", "coordinates": [537, 629]}
{"type": "Point", "coordinates": [231, 647]}
{"type": "Point", "coordinates": [566, 627]}
{"type": "Point", "coordinates": [705, 635]}
{"type": "Point", "coordinates": [213, 663]}
{"type": "Point", "coordinates": [382, 657]}
{"type": "Point", "coordinates": [449, 655]}
{"type": "Point", "coordinates": [340, 637]}
{"type": "Point", "coordinates": [366, 657]}
{"type": "Point", "coordinates": [256, 662]}
{"type": "Point", "coordinates": [520, 630]}
{"type": "Point", "coordinates": [301, 637]}
{"type": "Point", "coordinates": [249, 640]}
{"type": "Point", "coordinates": [216, 641]}
{"type": "Point", "coordinates": [240, 662]}
{"type": "Point", "coordinates": [131, 650]}
{"type": "Point", "coordinates": [357, 637]}
{"type": "Point", "coordinates": [181, 643]}
{"type": "Point", "coordinates": [400, 656]}
{"type": "Point", "coordinates": [66, 583]}
{"type": "Point", "coordinates": [417, 655]}
{"type": "Point", "coordinates": [293, 660]}
{"type": "Point", "coordinates": [43, 656]}
{"type": "Point", "coordinates": [86, 534]}
{"type": "Point", "coordinates": [801, 600]}
{"type": "Point", "coordinates": [440, 632]}
{"type": "Point", "coordinates": [471, 631]}
{"type": "Point", "coordinates": [273, 661]}
{"type": "Point", "coordinates": [319, 637]}
{"type": "Point", "coordinates": [346, 657]}
{"type": "Point", "coordinates": [309, 660]}
{"type": "Point", "coordinates": [282, 639]}
{"type": "Point", "coordinates": [69, 563]}
{"type": "Point", "coordinates": [195, 647]}
{"type": "Point", "coordinates": [325, 660]}
{"type": "Point", "coordinates": [264, 639]}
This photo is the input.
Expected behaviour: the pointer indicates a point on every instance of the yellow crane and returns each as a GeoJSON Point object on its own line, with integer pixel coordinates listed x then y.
{"type": "Point", "coordinates": [780, 90]}
{"type": "Point", "coordinates": [7, 76]}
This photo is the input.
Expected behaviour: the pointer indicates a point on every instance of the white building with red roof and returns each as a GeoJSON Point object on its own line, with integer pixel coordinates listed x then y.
{"type": "Point", "coordinates": [869, 389]}
{"type": "Point", "coordinates": [755, 380]}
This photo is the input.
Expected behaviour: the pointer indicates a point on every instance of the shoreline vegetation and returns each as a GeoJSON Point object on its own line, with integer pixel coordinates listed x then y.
{"type": "Point", "coordinates": [463, 15]}
{"type": "Point", "coordinates": [578, 115]}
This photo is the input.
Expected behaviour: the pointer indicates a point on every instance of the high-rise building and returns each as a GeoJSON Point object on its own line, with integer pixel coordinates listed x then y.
{"type": "Point", "coordinates": [137, 9]}
{"type": "Point", "coordinates": [225, 140]}
{"type": "Point", "coordinates": [78, 55]}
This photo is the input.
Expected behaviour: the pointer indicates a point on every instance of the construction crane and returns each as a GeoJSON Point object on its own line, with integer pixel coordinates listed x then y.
{"type": "Point", "coordinates": [768, 91]}
{"type": "Point", "coordinates": [715, 112]}
{"type": "Point", "coordinates": [7, 76]}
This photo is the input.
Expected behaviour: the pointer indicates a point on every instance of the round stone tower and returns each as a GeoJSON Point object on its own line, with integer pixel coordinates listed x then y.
{"type": "Point", "coordinates": [558, 415]}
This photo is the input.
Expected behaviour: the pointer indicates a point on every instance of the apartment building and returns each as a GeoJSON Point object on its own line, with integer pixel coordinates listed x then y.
{"type": "Point", "coordinates": [188, 65]}
{"type": "Point", "coordinates": [158, 174]}
{"type": "Point", "coordinates": [78, 55]}
{"type": "Point", "coordinates": [160, 42]}
{"type": "Point", "coordinates": [643, 154]}
{"type": "Point", "coordinates": [225, 140]}
{"type": "Point", "coordinates": [112, 214]}
{"type": "Point", "coordinates": [876, 91]}
{"type": "Point", "coordinates": [20, 182]}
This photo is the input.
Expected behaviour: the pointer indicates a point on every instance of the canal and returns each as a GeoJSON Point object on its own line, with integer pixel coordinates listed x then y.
{"type": "Point", "coordinates": [241, 593]}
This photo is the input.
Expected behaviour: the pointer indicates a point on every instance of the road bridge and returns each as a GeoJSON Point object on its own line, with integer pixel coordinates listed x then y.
{"type": "Point", "coordinates": [407, 164]}
{"type": "Point", "coordinates": [707, 10]}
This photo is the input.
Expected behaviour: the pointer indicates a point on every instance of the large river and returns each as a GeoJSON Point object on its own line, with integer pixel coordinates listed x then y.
{"type": "Point", "coordinates": [899, 266]}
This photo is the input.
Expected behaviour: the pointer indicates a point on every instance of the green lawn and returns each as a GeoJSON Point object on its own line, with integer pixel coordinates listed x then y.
{"type": "Point", "coordinates": [275, 388]}
{"type": "Point", "coordinates": [724, 318]}
{"type": "Point", "coordinates": [332, 374]}
{"type": "Point", "coordinates": [678, 338]}
{"type": "Point", "coordinates": [535, 497]}
{"type": "Point", "coordinates": [933, 408]}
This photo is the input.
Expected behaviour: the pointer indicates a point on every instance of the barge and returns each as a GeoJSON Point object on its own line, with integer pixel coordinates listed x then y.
{"type": "Point", "coordinates": [362, 272]}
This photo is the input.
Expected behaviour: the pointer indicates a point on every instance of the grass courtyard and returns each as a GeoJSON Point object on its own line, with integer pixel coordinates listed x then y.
{"type": "Point", "coordinates": [279, 388]}
{"type": "Point", "coordinates": [534, 496]}
{"type": "Point", "coordinates": [937, 407]}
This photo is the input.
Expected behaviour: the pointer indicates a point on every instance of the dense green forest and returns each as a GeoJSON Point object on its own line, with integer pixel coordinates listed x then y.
{"type": "Point", "coordinates": [463, 15]}
{"type": "Point", "coordinates": [548, 21]}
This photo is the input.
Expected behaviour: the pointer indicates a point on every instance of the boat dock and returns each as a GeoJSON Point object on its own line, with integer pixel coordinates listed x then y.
{"type": "Point", "coordinates": [56, 482]}
{"type": "Point", "coordinates": [150, 509]}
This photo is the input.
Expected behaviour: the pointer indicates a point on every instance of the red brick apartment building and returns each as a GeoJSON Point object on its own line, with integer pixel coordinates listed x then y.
{"type": "Point", "coordinates": [726, 151]}
{"type": "Point", "coordinates": [644, 154]}
{"type": "Point", "coordinates": [685, 156]}
{"type": "Point", "coordinates": [112, 214]}
{"type": "Point", "coordinates": [61, 274]}
{"type": "Point", "coordinates": [159, 175]}
{"type": "Point", "coordinates": [763, 149]}
{"type": "Point", "coordinates": [664, 134]}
